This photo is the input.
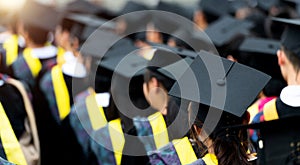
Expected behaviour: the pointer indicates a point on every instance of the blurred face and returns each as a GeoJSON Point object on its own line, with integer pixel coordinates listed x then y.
{"type": "Point", "coordinates": [156, 95]}
{"type": "Point", "coordinates": [152, 35]}
{"type": "Point", "coordinates": [62, 38]}
{"type": "Point", "coordinates": [172, 43]}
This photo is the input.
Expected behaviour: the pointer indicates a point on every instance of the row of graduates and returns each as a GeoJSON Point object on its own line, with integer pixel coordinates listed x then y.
{"type": "Point", "coordinates": [52, 98]}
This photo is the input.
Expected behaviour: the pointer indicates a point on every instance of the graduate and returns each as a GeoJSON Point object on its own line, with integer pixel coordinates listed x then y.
{"type": "Point", "coordinates": [38, 57]}
{"type": "Point", "coordinates": [217, 143]}
{"type": "Point", "coordinates": [288, 60]}
{"type": "Point", "coordinates": [112, 144]}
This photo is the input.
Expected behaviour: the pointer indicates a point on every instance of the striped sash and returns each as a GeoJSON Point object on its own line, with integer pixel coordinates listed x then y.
{"type": "Point", "coordinates": [108, 143]}
{"type": "Point", "coordinates": [177, 152]}
{"type": "Point", "coordinates": [4, 162]}
{"type": "Point", "coordinates": [152, 131]}
{"type": "Point", "coordinates": [86, 116]}
{"type": "Point", "coordinates": [270, 111]}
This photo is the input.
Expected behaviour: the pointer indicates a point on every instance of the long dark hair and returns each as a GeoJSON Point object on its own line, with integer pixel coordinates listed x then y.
{"type": "Point", "coordinates": [230, 146]}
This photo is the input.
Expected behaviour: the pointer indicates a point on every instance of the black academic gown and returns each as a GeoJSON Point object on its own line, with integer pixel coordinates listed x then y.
{"type": "Point", "coordinates": [13, 104]}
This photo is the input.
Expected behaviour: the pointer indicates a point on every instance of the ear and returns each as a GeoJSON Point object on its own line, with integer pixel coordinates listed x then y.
{"type": "Point", "coordinates": [154, 82]}
{"type": "Point", "coordinates": [231, 58]}
{"type": "Point", "coordinates": [281, 57]}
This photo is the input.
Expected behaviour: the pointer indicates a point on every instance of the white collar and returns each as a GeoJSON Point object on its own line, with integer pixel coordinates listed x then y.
{"type": "Point", "coordinates": [69, 56]}
{"type": "Point", "coordinates": [44, 52]}
{"type": "Point", "coordinates": [290, 95]}
{"type": "Point", "coordinates": [74, 69]}
{"type": "Point", "coordinates": [103, 99]}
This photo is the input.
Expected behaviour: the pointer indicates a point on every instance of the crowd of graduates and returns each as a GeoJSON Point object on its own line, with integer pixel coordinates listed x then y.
{"type": "Point", "coordinates": [217, 83]}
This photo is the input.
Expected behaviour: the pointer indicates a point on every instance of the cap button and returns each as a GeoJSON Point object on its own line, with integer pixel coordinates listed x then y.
{"type": "Point", "coordinates": [221, 82]}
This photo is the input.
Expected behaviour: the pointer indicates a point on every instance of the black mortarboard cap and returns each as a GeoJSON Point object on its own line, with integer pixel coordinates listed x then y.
{"type": "Point", "coordinates": [99, 43]}
{"type": "Point", "coordinates": [83, 25]}
{"type": "Point", "coordinates": [132, 6]}
{"type": "Point", "coordinates": [226, 28]}
{"type": "Point", "coordinates": [290, 38]}
{"type": "Point", "coordinates": [192, 40]}
{"type": "Point", "coordinates": [174, 8]}
{"type": "Point", "coordinates": [229, 80]}
{"type": "Point", "coordinates": [216, 8]}
{"type": "Point", "coordinates": [237, 4]}
{"type": "Point", "coordinates": [136, 21]}
{"type": "Point", "coordinates": [262, 55]}
{"type": "Point", "coordinates": [82, 6]}
{"type": "Point", "coordinates": [175, 50]}
{"type": "Point", "coordinates": [279, 141]}
{"type": "Point", "coordinates": [125, 65]}
{"type": "Point", "coordinates": [176, 70]}
{"type": "Point", "coordinates": [42, 16]}
{"type": "Point", "coordinates": [161, 58]}
{"type": "Point", "coordinates": [166, 22]}
{"type": "Point", "coordinates": [267, 4]}
{"type": "Point", "coordinates": [260, 45]}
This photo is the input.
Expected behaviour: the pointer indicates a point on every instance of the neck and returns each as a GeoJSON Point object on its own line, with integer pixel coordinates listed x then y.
{"type": "Point", "coordinates": [293, 78]}
{"type": "Point", "coordinates": [209, 145]}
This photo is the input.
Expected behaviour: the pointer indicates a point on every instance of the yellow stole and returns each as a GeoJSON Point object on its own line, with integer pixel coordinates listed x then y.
{"type": "Point", "coordinates": [270, 111]}
{"type": "Point", "coordinates": [10, 142]}
{"type": "Point", "coordinates": [95, 112]}
{"type": "Point", "coordinates": [61, 92]}
{"type": "Point", "coordinates": [11, 47]}
{"type": "Point", "coordinates": [117, 139]}
{"type": "Point", "coordinates": [184, 151]}
{"type": "Point", "coordinates": [159, 130]}
{"type": "Point", "coordinates": [33, 63]}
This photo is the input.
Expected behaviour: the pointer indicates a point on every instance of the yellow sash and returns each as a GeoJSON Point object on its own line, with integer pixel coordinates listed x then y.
{"type": "Point", "coordinates": [60, 56]}
{"type": "Point", "coordinates": [117, 138]}
{"type": "Point", "coordinates": [270, 111]}
{"type": "Point", "coordinates": [159, 128]}
{"type": "Point", "coordinates": [210, 159]}
{"type": "Point", "coordinates": [10, 142]}
{"type": "Point", "coordinates": [11, 47]}
{"type": "Point", "coordinates": [34, 63]}
{"type": "Point", "coordinates": [184, 151]}
{"type": "Point", "coordinates": [61, 92]}
{"type": "Point", "coordinates": [95, 112]}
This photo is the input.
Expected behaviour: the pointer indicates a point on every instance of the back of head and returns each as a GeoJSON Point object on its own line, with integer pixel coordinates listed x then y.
{"type": "Point", "coordinates": [229, 145]}
{"type": "Point", "coordinates": [38, 20]}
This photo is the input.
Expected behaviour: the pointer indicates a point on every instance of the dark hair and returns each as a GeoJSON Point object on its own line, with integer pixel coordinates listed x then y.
{"type": "Point", "coordinates": [37, 35]}
{"type": "Point", "coordinates": [73, 28]}
{"type": "Point", "coordinates": [293, 58]}
{"type": "Point", "coordinates": [230, 146]}
{"type": "Point", "coordinates": [166, 82]}
{"type": "Point", "coordinates": [274, 87]}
